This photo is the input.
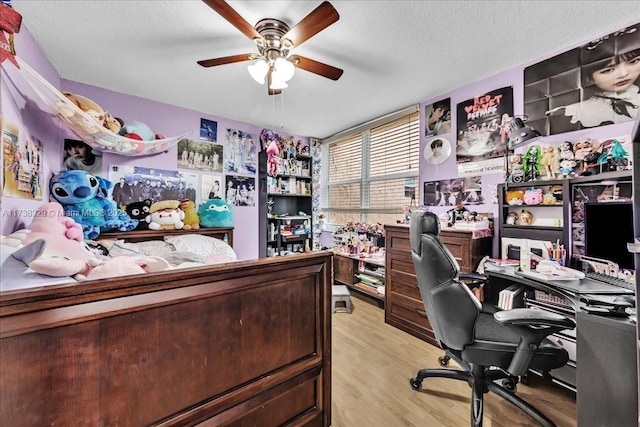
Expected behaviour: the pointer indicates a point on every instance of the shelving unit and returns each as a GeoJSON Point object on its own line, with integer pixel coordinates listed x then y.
{"type": "Point", "coordinates": [365, 276]}
{"type": "Point", "coordinates": [287, 206]}
{"type": "Point", "coordinates": [549, 217]}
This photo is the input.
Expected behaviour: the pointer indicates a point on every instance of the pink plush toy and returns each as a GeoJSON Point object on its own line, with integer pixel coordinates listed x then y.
{"type": "Point", "coordinates": [62, 235]}
{"type": "Point", "coordinates": [272, 162]}
{"type": "Point", "coordinates": [95, 269]}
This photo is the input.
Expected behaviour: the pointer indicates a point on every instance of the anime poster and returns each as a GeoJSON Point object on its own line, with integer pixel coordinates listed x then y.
{"type": "Point", "coordinates": [22, 158]}
{"type": "Point", "coordinates": [593, 85]}
{"type": "Point", "coordinates": [449, 192]}
{"type": "Point", "coordinates": [135, 184]}
{"type": "Point", "coordinates": [240, 152]}
{"type": "Point", "coordinates": [483, 131]}
{"type": "Point", "coordinates": [200, 155]}
{"type": "Point", "coordinates": [208, 130]}
{"type": "Point", "coordinates": [240, 191]}
{"type": "Point", "coordinates": [212, 186]}
{"type": "Point", "coordinates": [437, 118]}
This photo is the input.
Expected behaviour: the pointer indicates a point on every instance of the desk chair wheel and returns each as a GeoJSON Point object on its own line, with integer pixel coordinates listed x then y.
{"type": "Point", "coordinates": [444, 360]}
{"type": "Point", "coordinates": [509, 384]}
{"type": "Point", "coordinates": [415, 384]}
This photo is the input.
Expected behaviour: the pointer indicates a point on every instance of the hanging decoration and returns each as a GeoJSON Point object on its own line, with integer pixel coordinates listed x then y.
{"type": "Point", "coordinates": [134, 138]}
{"type": "Point", "coordinates": [10, 22]}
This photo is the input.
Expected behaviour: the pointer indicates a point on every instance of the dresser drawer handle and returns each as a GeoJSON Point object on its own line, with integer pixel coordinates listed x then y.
{"type": "Point", "coordinates": [421, 312]}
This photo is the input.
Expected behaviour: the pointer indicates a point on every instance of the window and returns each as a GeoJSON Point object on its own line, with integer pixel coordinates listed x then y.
{"type": "Point", "coordinates": [372, 171]}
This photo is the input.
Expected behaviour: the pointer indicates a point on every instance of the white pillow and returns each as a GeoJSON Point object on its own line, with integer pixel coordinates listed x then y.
{"type": "Point", "coordinates": [201, 245]}
{"type": "Point", "coordinates": [155, 248]}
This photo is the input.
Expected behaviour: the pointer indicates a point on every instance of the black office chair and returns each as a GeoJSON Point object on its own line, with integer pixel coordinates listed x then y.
{"type": "Point", "coordinates": [489, 345]}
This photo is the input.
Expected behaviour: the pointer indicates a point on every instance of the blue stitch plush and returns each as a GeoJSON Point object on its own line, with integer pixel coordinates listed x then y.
{"type": "Point", "coordinates": [84, 198]}
{"type": "Point", "coordinates": [215, 213]}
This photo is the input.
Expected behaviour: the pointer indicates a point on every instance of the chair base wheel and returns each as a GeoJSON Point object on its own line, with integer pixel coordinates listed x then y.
{"type": "Point", "coordinates": [509, 384]}
{"type": "Point", "coordinates": [444, 360]}
{"type": "Point", "coordinates": [416, 384]}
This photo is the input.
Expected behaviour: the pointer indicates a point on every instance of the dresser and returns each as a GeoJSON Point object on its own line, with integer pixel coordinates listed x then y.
{"type": "Point", "coordinates": [403, 305]}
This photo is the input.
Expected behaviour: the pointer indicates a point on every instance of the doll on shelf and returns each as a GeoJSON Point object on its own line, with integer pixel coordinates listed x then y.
{"type": "Point", "coordinates": [531, 165]}
{"type": "Point", "coordinates": [549, 161]}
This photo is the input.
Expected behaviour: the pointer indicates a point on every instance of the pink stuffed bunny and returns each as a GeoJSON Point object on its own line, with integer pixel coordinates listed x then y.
{"type": "Point", "coordinates": [272, 162]}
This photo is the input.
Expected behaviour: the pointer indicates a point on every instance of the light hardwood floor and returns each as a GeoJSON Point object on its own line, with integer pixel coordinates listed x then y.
{"type": "Point", "coordinates": [372, 363]}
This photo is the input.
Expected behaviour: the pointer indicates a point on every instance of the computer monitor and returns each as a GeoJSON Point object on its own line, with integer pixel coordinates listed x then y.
{"type": "Point", "coordinates": [608, 229]}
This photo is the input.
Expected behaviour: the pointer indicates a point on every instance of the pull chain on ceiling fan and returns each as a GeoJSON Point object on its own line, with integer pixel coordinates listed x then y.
{"type": "Point", "coordinates": [274, 39]}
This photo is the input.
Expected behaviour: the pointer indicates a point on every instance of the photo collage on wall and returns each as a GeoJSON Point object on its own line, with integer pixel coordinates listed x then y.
{"type": "Point", "coordinates": [240, 165]}
{"type": "Point", "coordinates": [23, 158]}
{"type": "Point", "coordinates": [449, 192]}
{"type": "Point", "coordinates": [581, 88]}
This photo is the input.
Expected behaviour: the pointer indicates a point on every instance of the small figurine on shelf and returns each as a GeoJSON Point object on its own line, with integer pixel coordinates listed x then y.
{"type": "Point", "coordinates": [531, 166]}
{"type": "Point", "coordinates": [516, 173]}
{"type": "Point", "coordinates": [525, 218]}
{"type": "Point", "coordinates": [512, 218]}
{"type": "Point", "coordinates": [549, 160]}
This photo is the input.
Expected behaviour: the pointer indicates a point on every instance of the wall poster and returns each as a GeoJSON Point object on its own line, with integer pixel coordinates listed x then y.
{"type": "Point", "coordinates": [593, 85]}
{"type": "Point", "coordinates": [240, 152]}
{"type": "Point", "coordinates": [135, 184]}
{"type": "Point", "coordinates": [482, 132]}
{"type": "Point", "coordinates": [448, 192]}
{"type": "Point", "coordinates": [22, 158]}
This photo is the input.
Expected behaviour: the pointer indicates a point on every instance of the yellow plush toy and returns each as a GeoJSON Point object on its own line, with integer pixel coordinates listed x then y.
{"type": "Point", "coordinates": [191, 217]}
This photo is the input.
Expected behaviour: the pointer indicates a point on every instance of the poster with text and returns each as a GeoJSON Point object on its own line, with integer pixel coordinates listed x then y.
{"type": "Point", "coordinates": [483, 131]}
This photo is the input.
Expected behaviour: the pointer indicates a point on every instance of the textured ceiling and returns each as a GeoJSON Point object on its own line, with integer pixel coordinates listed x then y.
{"type": "Point", "coordinates": [393, 53]}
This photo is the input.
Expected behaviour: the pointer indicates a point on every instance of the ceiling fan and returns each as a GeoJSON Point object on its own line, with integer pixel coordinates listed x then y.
{"type": "Point", "coordinates": [274, 40]}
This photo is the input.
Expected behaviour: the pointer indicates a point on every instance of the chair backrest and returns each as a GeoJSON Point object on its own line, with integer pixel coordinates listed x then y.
{"type": "Point", "coordinates": [451, 307]}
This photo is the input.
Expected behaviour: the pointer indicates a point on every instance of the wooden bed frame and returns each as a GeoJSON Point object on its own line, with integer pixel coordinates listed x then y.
{"type": "Point", "coordinates": [239, 344]}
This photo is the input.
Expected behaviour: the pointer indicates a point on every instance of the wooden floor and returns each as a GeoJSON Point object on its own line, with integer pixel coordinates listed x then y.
{"type": "Point", "coordinates": [373, 362]}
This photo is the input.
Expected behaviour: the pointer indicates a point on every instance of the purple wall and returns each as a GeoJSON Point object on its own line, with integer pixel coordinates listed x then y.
{"type": "Point", "coordinates": [514, 78]}
{"type": "Point", "coordinates": [162, 118]}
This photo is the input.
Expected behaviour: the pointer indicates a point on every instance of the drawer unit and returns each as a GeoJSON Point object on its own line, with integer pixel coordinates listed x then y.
{"type": "Point", "coordinates": [404, 308]}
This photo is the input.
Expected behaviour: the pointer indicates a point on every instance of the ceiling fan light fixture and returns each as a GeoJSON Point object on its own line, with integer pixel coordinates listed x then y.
{"type": "Point", "coordinates": [277, 82]}
{"type": "Point", "coordinates": [258, 70]}
{"type": "Point", "coordinates": [284, 69]}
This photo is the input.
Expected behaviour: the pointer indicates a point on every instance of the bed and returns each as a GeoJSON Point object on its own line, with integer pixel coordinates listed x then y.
{"type": "Point", "coordinates": [236, 344]}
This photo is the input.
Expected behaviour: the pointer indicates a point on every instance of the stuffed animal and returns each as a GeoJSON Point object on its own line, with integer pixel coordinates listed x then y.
{"type": "Point", "coordinates": [533, 196]}
{"type": "Point", "coordinates": [165, 215]}
{"type": "Point", "coordinates": [139, 211]}
{"type": "Point", "coordinates": [83, 198]}
{"type": "Point", "coordinates": [137, 130]}
{"type": "Point", "coordinates": [272, 161]}
{"type": "Point", "coordinates": [215, 213]}
{"type": "Point", "coordinates": [191, 218]}
{"type": "Point", "coordinates": [61, 235]}
{"type": "Point", "coordinates": [514, 197]}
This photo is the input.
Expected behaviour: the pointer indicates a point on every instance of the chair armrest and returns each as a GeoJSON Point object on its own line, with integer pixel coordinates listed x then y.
{"type": "Point", "coordinates": [476, 277]}
{"type": "Point", "coordinates": [533, 326]}
{"type": "Point", "coordinates": [531, 317]}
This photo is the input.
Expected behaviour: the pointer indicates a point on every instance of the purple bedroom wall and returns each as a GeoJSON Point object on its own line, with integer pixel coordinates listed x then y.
{"type": "Point", "coordinates": [515, 78]}
{"type": "Point", "coordinates": [22, 106]}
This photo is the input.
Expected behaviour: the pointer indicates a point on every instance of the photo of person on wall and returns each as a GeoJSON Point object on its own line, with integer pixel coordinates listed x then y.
{"type": "Point", "coordinates": [79, 155]}
{"type": "Point", "coordinates": [438, 118]}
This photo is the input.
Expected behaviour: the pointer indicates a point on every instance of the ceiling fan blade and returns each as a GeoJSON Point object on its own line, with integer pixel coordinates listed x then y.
{"type": "Point", "coordinates": [227, 12]}
{"type": "Point", "coordinates": [316, 67]}
{"type": "Point", "coordinates": [316, 21]}
{"type": "Point", "coordinates": [226, 60]}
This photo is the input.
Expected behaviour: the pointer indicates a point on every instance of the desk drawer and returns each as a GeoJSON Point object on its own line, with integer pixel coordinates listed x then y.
{"type": "Point", "coordinates": [403, 284]}
{"type": "Point", "coordinates": [409, 311]}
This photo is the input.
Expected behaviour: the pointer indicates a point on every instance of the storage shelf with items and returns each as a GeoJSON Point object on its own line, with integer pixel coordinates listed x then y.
{"type": "Point", "coordinates": [536, 210]}
{"type": "Point", "coordinates": [365, 274]}
{"type": "Point", "coordinates": [288, 234]}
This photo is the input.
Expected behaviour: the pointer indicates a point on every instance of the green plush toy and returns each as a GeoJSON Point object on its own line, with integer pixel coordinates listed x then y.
{"type": "Point", "coordinates": [215, 213]}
